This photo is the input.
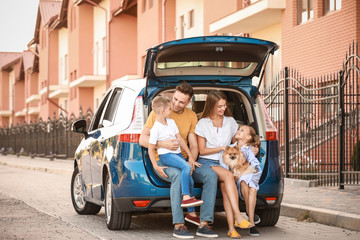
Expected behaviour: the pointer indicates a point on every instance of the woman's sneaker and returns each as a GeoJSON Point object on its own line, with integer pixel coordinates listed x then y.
{"type": "Point", "coordinates": [182, 233]}
{"type": "Point", "coordinates": [191, 202]}
{"type": "Point", "coordinates": [254, 232]}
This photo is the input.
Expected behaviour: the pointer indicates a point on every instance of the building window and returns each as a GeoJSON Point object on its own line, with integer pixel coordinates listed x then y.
{"type": "Point", "coordinates": [144, 5]}
{"type": "Point", "coordinates": [191, 19]}
{"type": "Point", "coordinates": [182, 24]}
{"type": "Point", "coordinates": [332, 5]}
{"type": "Point", "coordinates": [305, 10]}
{"type": "Point", "coordinates": [104, 51]}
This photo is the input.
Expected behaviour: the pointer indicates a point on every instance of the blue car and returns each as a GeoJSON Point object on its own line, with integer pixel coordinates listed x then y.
{"type": "Point", "coordinates": [111, 169]}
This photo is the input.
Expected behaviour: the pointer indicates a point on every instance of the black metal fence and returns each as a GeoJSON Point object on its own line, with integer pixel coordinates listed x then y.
{"type": "Point", "coordinates": [51, 138]}
{"type": "Point", "coordinates": [318, 123]}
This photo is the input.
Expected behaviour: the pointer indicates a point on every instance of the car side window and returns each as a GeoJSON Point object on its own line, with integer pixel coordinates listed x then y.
{"type": "Point", "coordinates": [111, 108]}
{"type": "Point", "coordinates": [99, 112]}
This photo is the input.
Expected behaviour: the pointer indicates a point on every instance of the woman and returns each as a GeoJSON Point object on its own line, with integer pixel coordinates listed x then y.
{"type": "Point", "coordinates": [215, 131]}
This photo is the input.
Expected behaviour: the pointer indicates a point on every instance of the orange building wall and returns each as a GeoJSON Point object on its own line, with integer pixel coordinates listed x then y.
{"type": "Point", "coordinates": [319, 45]}
{"type": "Point", "coordinates": [85, 41]}
{"type": "Point", "coordinates": [123, 46]}
{"type": "Point", "coordinates": [19, 101]}
{"type": "Point", "coordinates": [213, 12]}
{"type": "Point", "coordinates": [54, 58]}
{"type": "Point", "coordinates": [4, 104]}
{"type": "Point", "coordinates": [150, 25]}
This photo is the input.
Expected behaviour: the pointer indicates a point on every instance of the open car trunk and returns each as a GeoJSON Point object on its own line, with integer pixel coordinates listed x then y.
{"type": "Point", "coordinates": [239, 103]}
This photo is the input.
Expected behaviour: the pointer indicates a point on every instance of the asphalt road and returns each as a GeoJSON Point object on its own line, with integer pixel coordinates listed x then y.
{"type": "Point", "coordinates": [37, 205]}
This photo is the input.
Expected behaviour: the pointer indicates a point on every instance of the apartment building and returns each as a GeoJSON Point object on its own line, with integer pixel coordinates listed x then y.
{"type": "Point", "coordinates": [83, 46]}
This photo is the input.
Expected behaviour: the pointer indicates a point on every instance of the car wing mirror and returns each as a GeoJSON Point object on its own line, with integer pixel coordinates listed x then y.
{"type": "Point", "coordinates": [79, 126]}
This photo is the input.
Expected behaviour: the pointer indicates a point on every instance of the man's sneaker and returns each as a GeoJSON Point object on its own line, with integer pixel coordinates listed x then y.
{"type": "Point", "coordinates": [257, 219]}
{"type": "Point", "coordinates": [191, 202]}
{"type": "Point", "coordinates": [182, 232]}
{"type": "Point", "coordinates": [206, 231]}
{"type": "Point", "coordinates": [193, 220]}
{"type": "Point", "coordinates": [254, 232]}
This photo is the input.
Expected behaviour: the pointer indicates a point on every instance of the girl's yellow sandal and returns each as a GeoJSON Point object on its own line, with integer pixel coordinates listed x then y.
{"type": "Point", "coordinates": [234, 234]}
{"type": "Point", "coordinates": [245, 224]}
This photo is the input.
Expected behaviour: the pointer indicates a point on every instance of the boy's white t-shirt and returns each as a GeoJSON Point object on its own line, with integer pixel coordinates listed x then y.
{"type": "Point", "coordinates": [161, 132]}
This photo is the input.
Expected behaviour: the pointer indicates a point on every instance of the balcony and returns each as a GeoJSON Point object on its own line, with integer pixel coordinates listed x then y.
{"type": "Point", "coordinates": [52, 89]}
{"type": "Point", "coordinates": [21, 113]}
{"type": "Point", "coordinates": [33, 110]}
{"type": "Point", "coordinates": [61, 92]}
{"type": "Point", "coordinates": [88, 81]}
{"type": "Point", "coordinates": [5, 113]}
{"type": "Point", "coordinates": [35, 98]}
{"type": "Point", "coordinates": [256, 16]}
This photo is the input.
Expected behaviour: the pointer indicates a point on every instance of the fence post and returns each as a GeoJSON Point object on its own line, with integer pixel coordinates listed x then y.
{"type": "Point", "coordinates": [286, 122]}
{"type": "Point", "coordinates": [341, 145]}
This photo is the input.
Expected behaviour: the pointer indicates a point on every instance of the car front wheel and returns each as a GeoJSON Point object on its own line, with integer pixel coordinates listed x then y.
{"type": "Point", "coordinates": [115, 220]}
{"type": "Point", "coordinates": [81, 206]}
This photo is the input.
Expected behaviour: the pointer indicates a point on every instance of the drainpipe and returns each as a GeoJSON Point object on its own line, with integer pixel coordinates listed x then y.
{"type": "Point", "coordinates": [107, 41]}
{"type": "Point", "coordinates": [163, 20]}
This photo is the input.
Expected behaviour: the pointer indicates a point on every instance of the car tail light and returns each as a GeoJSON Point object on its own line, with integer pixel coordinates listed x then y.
{"type": "Point", "coordinates": [141, 203]}
{"type": "Point", "coordinates": [270, 200]}
{"type": "Point", "coordinates": [132, 134]}
{"type": "Point", "coordinates": [271, 131]}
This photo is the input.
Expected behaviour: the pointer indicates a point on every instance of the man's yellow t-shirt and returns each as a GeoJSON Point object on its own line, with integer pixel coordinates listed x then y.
{"type": "Point", "coordinates": [185, 121]}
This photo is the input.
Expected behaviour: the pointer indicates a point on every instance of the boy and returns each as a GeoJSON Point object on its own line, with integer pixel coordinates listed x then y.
{"type": "Point", "coordinates": [165, 129]}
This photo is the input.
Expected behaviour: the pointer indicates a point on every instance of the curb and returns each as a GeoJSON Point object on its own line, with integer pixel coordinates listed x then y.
{"type": "Point", "coordinates": [300, 183]}
{"type": "Point", "coordinates": [36, 168]}
{"type": "Point", "coordinates": [323, 216]}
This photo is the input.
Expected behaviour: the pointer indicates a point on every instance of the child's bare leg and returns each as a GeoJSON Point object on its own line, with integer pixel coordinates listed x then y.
{"type": "Point", "coordinates": [252, 204]}
{"type": "Point", "coordinates": [245, 192]}
{"type": "Point", "coordinates": [186, 197]}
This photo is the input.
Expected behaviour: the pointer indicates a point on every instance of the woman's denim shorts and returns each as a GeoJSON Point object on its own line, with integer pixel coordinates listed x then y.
{"type": "Point", "coordinates": [206, 162]}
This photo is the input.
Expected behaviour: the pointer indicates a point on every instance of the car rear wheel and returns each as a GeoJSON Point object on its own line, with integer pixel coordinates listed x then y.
{"type": "Point", "coordinates": [268, 216]}
{"type": "Point", "coordinates": [81, 206]}
{"type": "Point", "coordinates": [115, 220]}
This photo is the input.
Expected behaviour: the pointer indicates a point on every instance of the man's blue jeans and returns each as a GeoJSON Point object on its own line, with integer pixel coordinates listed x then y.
{"type": "Point", "coordinates": [204, 175]}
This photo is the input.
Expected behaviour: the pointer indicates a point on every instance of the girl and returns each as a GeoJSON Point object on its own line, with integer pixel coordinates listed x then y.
{"type": "Point", "coordinates": [249, 183]}
{"type": "Point", "coordinates": [215, 130]}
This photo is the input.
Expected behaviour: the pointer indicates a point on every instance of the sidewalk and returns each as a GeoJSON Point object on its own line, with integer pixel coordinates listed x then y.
{"type": "Point", "coordinates": [325, 205]}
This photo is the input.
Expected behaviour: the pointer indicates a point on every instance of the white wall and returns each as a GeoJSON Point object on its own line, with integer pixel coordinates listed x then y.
{"type": "Point", "coordinates": [99, 47]}
{"type": "Point", "coordinates": [99, 91]}
{"type": "Point", "coordinates": [63, 50]}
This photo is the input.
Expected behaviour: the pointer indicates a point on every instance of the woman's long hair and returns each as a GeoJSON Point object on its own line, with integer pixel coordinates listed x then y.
{"type": "Point", "coordinates": [211, 100]}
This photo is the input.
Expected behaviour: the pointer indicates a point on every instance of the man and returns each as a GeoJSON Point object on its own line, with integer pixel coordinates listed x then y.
{"type": "Point", "coordinates": [186, 121]}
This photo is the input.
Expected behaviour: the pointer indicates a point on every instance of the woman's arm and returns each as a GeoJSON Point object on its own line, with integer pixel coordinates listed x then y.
{"type": "Point", "coordinates": [203, 150]}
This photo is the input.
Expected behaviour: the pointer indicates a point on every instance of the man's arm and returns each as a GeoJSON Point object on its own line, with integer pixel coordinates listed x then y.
{"type": "Point", "coordinates": [144, 141]}
{"type": "Point", "coordinates": [193, 145]}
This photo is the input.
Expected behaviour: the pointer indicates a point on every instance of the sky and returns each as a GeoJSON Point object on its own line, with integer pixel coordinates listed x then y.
{"type": "Point", "coordinates": [17, 24]}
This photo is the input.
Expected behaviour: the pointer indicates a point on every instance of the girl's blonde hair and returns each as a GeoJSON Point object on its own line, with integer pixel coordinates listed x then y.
{"type": "Point", "coordinates": [211, 100]}
{"type": "Point", "coordinates": [255, 140]}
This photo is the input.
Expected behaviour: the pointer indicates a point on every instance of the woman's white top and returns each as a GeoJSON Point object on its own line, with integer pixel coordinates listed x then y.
{"type": "Point", "coordinates": [161, 132]}
{"type": "Point", "coordinates": [216, 137]}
